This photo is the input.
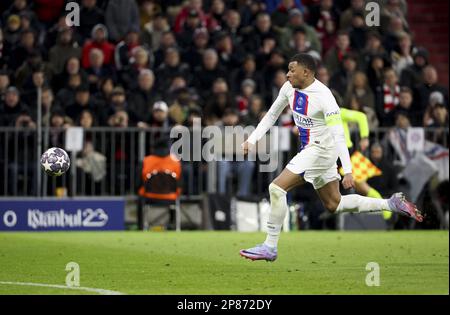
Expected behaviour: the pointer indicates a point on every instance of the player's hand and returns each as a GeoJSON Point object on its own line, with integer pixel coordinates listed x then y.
{"type": "Point", "coordinates": [363, 144]}
{"type": "Point", "coordinates": [348, 181]}
{"type": "Point", "coordinates": [247, 146]}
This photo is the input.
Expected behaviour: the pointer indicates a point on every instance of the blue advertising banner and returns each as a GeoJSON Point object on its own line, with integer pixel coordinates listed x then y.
{"type": "Point", "coordinates": [62, 215]}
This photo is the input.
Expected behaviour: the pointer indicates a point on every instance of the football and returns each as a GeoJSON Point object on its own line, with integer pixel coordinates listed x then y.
{"type": "Point", "coordinates": [55, 161]}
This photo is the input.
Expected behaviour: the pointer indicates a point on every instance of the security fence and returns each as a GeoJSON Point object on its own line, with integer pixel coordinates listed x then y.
{"type": "Point", "coordinates": [111, 159]}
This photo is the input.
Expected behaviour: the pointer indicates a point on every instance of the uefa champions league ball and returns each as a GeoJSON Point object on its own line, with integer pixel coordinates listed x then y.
{"type": "Point", "coordinates": [55, 161]}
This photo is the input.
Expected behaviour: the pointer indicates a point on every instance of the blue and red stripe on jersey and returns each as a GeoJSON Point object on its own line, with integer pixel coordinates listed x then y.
{"type": "Point", "coordinates": [301, 106]}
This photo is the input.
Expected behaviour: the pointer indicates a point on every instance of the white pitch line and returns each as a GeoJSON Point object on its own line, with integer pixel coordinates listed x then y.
{"type": "Point", "coordinates": [57, 286]}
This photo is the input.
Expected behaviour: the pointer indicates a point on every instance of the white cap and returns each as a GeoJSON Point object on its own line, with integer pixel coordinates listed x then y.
{"type": "Point", "coordinates": [161, 105]}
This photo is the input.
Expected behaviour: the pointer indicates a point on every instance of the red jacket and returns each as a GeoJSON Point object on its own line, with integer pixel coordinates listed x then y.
{"type": "Point", "coordinates": [106, 47]}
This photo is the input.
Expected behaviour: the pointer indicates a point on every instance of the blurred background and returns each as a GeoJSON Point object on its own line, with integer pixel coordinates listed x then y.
{"type": "Point", "coordinates": [133, 70]}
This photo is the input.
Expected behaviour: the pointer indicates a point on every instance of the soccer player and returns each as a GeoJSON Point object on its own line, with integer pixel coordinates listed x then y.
{"type": "Point", "coordinates": [318, 119]}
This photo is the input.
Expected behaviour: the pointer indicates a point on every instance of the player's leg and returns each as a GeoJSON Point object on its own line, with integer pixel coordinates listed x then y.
{"type": "Point", "coordinates": [363, 188]}
{"type": "Point", "coordinates": [334, 202]}
{"type": "Point", "coordinates": [278, 203]}
{"type": "Point", "coordinates": [278, 209]}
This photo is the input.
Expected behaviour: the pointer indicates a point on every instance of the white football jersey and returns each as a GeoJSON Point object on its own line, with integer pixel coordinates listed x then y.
{"type": "Point", "coordinates": [313, 110]}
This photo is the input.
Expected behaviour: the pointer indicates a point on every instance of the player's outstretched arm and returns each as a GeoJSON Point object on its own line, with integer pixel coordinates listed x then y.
{"type": "Point", "coordinates": [269, 118]}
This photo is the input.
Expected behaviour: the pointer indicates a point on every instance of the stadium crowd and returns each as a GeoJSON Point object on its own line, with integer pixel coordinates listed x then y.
{"type": "Point", "coordinates": [150, 63]}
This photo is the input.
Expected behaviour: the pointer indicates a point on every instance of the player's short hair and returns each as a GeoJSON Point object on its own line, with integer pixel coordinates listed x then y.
{"type": "Point", "coordinates": [306, 60]}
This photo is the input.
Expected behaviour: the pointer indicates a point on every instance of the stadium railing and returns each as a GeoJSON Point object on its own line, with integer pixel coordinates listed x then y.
{"type": "Point", "coordinates": [111, 165]}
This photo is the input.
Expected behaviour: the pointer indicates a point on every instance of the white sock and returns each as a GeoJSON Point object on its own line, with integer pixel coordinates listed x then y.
{"type": "Point", "coordinates": [278, 210]}
{"type": "Point", "coordinates": [357, 203]}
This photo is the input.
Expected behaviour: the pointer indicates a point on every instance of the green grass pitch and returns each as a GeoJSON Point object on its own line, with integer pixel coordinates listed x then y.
{"type": "Point", "coordinates": [411, 262]}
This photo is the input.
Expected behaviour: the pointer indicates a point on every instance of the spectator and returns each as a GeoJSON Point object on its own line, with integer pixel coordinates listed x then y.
{"type": "Point", "coordinates": [26, 45]}
{"type": "Point", "coordinates": [393, 9]}
{"type": "Point", "coordinates": [66, 95]}
{"type": "Point", "coordinates": [119, 112]}
{"type": "Point", "coordinates": [180, 109]}
{"type": "Point", "coordinates": [182, 16]}
{"type": "Point", "coordinates": [439, 120]}
{"type": "Point", "coordinates": [387, 96]}
{"type": "Point", "coordinates": [152, 31]}
{"type": "Point", "coordinates": [430, 78]}
{"type": "Point", "coordinates": [158, 117]}
{"type": "Point", "coordinates": [90, 16]}
{"type": "Point", "coordinates": [30, 89]}
{"type": "Point", "coordinates": [359, 88]}
{"type": "Point", "coordinates": [71, 67]}
{"type": "Point", "coordinates": [300, 42]}
{"type": "Point", "coordinates": [250, 11]}
{"type": "Point", "coordinates": [401, 56]}
{"type": "Point", "coordinates": [86, 119]}
{"type": "Point", "coordinates": [64, 49]}
{"type": "Point", "coordinates": [281, 14]}
{"type": "Point", "coordinates": [124, 48]}
{"type": "Point", "coordinates": [374, 46]}
{"type": "Point", "coordinates": [215, 19]}
{"type": "Point", "coordinates": [186, 34]}
{"type": "Point", "coordinates": [324, 18]}
{"type": "Point", "coordinates": [253, 36]}
{"type": "Point", "coordinates": [248, 87]}
{"type": "Point", "coordinates": [334, 57]}
{"type": "Point", "coordinates": [119, 119]}
{"type": "Point", "coordinates": [11, 108]}
{"type": "Point", "coordinates": [148, 11]}
{"type": "Point", "coordinates": [11, 34]}
{"type": "Point", "coordinates": [247, 71]}
{"type": "Point", "coordinates": [230, 56]}
{"type": "Point", "coordinates": [233, 26]}
{"type": "Point", "coordinates": [193, 55]}
{"type": "Point", "coordinates": [97, 69]}
{"type": "Point", "coordinates": [405, 106]}
{"type": "Point", "coordinates": [48, 11]}
{"type": "Point", "coordinates": [358, 31]}
{"type": "Point", "coordinates": [411, 76]}
{"type": "Point", "coordinates": [395, 31]}
{"type": "Point", "coordinates": [342, 78]}
{"type": "Point", "coordinates": [105, 88]}
{"type": "Point", "coordinates": [436, 98]}
{"type": "Point", "coordinates": [296, 20]}
{"type": "Point", "coordinates": [144, 96]}
{"type": "Point", "coordinates": [276, 62]}
{"type": "Point", "coordinates": [140, 60]}
{"type": "Point", "coordinates": [4, 84]}
{"type": "Point", "coordinates": [263, 54]}
{"type": "Point", "coordinates": [255, 113]}
{"type": "Point", "coordinates": [48, 105]}
{"type": "Point", "coordinates": [277, 82]}
{"type": "Point", "coordinates": [345, 19]}
{"type": "Point", "coordinates": [208, 71]}
{"type": "Point", "coordinates": [171, 68]}
{"type": "Point", "coordinates": [243, 169]}
{"type": "Point", "coordinates": [218, 101]}
{"type": "Point", "coordinates": [33, 62]}
{"type": "Point", "coordinates": [98, 40]}
{"type": "Point", "coordinates": [120, 18]}
{"type": "Point", "coordinates": [375, 72]}
{"type": "Point", "coordinates": [167, 41]}
{"type": "Point", "coordinates": [83, 101]}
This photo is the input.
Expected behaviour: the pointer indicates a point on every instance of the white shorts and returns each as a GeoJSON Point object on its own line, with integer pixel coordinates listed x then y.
{"type": "Point", "coordinates": [317, 165]}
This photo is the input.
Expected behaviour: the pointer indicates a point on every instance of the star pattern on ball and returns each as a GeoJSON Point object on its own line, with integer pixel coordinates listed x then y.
{"type": "Point", "coordinates": [46, 166]}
